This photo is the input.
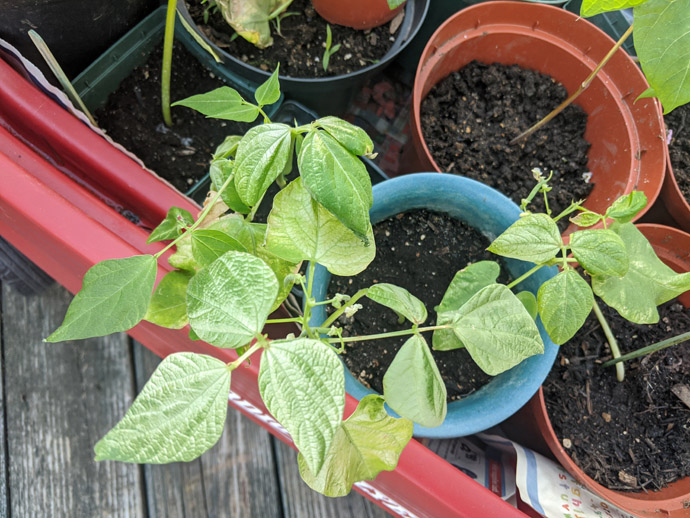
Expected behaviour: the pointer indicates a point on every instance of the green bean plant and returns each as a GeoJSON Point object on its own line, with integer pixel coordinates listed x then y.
{"type": "Point", "coordinates": [232, 272]}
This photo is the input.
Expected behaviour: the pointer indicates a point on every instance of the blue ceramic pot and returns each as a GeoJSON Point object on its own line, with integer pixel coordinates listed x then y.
{"type": "Point", "coordinates": [491, 213]}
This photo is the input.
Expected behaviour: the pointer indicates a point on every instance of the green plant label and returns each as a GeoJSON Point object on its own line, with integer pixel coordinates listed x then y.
{"type": "Point", "coordinates": [114, 297]}
{"type": "Point", "coordinates": [337, 179]}
{"type": "Point", "coordinates": [299, 229]}
{"type": "Point", "coordinates": [412, 385]}
{"type": "Point", "coordinates": [229, 300]}
{"type": "Point", "coordinates": [600, 252]}
{"type": "Point", "coordinates": [534, 237]}
{"type": "Point", "coordinates": [302, 383]}
{"type": "Point", "coordinates": [222, 103]}
{"type": "Point", "coordinates": [208, 245]}
{"type": "Point", "coordinates": [171, 227]}
{"type": "Point", "coordinates": [263, 154]}
{"type": "Point", "coordinates": [179, 414]}
{"type": "Point", "coordinates": [399, 300]}
{"type": "Point", "coordinates": [564, 303]}
{"type": "Point", "coordinates": [168, 306]}
{"type": "Point", "coordinates": [368, 442]}
{"type": "Point", "coordinates": [351, 137]}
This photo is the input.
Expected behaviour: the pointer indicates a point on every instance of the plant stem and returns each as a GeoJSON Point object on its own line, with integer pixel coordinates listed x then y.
{"type": "Point", "coordinates": [577, 93]}
{"type": "Point", "coordinates": [239, 361]}
{"type": "Point", "coordinates": [613, 344]}
{"type": "Point", "coordinates": [280, 10]}
{"type": "Point", "coordinates": [168, 40]}
{"type": "Point", "coordinates": [334, 316]}
{"type": "Point", "coordinates": [386, 335]}
{"type": "Point", "coordinates": [524, 276]}
{"type": "Point", "coordinates": [283, 320]}
{"type": "Point", "coordinates": [658, 346]}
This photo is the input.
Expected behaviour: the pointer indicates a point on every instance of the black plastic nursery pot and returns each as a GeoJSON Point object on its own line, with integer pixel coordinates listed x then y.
{"type": "Point", "coordinates": [325, 95]}
{"type": "Point", "coordinates": [104, 75]}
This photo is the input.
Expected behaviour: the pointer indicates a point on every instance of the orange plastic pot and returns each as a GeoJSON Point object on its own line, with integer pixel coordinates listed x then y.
{"type": "Point", "coordinates": [673, 247]}
{"type": "Point", "coordinates": [358, 14]}
{"type": "Point", "coordinates": [673, 200]}
{"type": "Point", "coordinates": [627, 149]}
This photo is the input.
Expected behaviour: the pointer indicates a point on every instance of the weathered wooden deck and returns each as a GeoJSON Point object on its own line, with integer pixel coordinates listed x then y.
{"type": "Point", "coordinates": [59, 399]}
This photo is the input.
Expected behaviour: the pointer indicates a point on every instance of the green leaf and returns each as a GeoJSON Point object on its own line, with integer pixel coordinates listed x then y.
{"type": "Point", "coordinates": [299, 229]}
{"type": "Point", "coordinates": [530, 302]}
{"type": "Point", "coordinates": [168, 306]}
{"type": "Point", "coordinates": [399, 300]}
{"type": "Point", "coordinates": [183, 258]}
{"type": "Point", "coordinates": [209, 245]}
{"type": "Point", "coordinates": [496, 329]}
{"type": "Point", "coordinates": [229, 300]}
{"type": "Point", "coordinates": [648, 283]}
{"type": "Point", "coordinates": [171, 227]}
{"type": "Point", "coordinates": [626, 207]}
{"type": "Point", "coordinates": [302, 383]}
{"type": "Point", "coordinates": [368, 442]}
{"type": "Point", "coordinates": [600, 252]}
{"type": "Point", "coordinates": [592, 7]}
{"type": "Point", "coordinates": [392, 4]}
{"type": "Point", "coordinates": [263, 154]}
{"type": "Point", "coordinates": [179, 414]}
{"type": "Point", "coordinates": [464, 285]}
{"type": "Point", "coordinates": [221, 169]}
{"type": "Point", "coordinates": [269, 92]}
{"type": "Point", "coordinates": [337, 179]}
{"type": "Point", "coordinates": [586, 219]}
{"type": "Point", "coordinates": [564, 303]}
{"type": "Point", "coordinates": [662, 42]}
{"type": "Point", "coordinates": [251, 19]}
{"type": "Point", "coordinates": [412, 385]}
{"type": "Point", "coordinates": [227, 148]}
{"type": "Point", "coordinates": [114, 297]}
{"type": "Point", "coordinates": [351, 137]}
{"type": "Point", "coordinates": [534, 237]}
{"type": "Point", "coordinates": [221, 103]}
{"type": "Point", "coordinates": [281, 268]}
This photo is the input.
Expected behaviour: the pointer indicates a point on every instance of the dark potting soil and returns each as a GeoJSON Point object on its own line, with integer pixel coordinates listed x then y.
{"type": "Point", "coordinates": [629, 436]}
{"type": "Point", "coordinates": [132, 117]}
{"type": "Point", "coordinates": [300, 48]}
{"type": "Point", "coordinates": [469, 119]}
{"type": "Point", "coordinates": [678, 126]}
{"type": "Point", "coordinates": [420, 251]}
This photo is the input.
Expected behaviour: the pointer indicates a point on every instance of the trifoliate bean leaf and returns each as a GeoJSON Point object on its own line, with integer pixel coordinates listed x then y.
{"type": "Point", "coordinates": [221, 103]}
{"type": "Point", "coordinates": [179, 414]}
{"type": "Point", "coordinates": [399, 300]}
{"type": "Point", "coordinates": [600, 252]}
{"type": "Point", "coordinates": [534, 237]}
{"type": "Point", "coordinates": [229, 300]}
{"type": "Point", "coordinates": [171, 227]}
{"type": "Point", "coordinates": [564, 303]}
{"type": "Point", "coordinates": [114, 297]}
{"type": "Point", "coordinates": [648, 282]}
{"type": "Point", "coordinates": [445, 339]}
{"type": "Point", "coordinates": [412, 385]}
{"type": "Point", "coordinates": [351, 137]}
{"type": "Point", "coordinates": [302, 383]}
{"type": "Point", "coordinates": [168, 306]}
{"type": "Point", "coordinates": [368, 442]}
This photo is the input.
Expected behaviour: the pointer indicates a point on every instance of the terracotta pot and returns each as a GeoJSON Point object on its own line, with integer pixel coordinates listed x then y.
{"type": "Point", "coordinates": [673, 247]}
{"type": "Point", "coordinates": [673, 200]}
{"type": "Point", "coordinates": [358, 14]}
{"type": "Point", "coordinates": [627, 150]}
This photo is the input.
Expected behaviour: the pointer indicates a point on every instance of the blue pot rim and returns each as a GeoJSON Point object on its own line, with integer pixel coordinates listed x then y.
{"type": "Point", "coordinates": [464, 199]}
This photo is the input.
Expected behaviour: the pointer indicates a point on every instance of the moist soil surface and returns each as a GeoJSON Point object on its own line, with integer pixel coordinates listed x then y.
{"type": "Point", "coordinates": [420, 251]}
{"type": "Point", "coordinates": [629, 436]}
{"type": "Point", "coordinates": [678, 125]}
{"type": "Point", "coordinates": [132, 117]}
{"type": "Point", "coordinates": [469, 119]}
{"type": "Point", "coordinates": [300, 48]}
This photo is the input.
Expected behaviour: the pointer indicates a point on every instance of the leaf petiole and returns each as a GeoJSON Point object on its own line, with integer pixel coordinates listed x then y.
{"type": "Point", "coordinates": [260, 343]}
{"type": "Point", "coordinates": [336, 314]}
{"type": "Point", "coordinates": [658, 346]}
{"type": "Point", "coordinates": [404, 332]}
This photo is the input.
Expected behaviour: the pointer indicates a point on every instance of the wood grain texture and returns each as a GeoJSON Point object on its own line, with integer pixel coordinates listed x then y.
{"type": "Point", "coordinates": [236, 478]}
{"type": "Point", "coordinates": [60, 400]}
{"type": "Point", "coordinates": [299, 500]}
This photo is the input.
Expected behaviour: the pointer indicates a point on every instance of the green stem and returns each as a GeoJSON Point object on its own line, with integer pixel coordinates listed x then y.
{"type": "Point", "coordinates": [336, 314]}
{"type": "Point", "coordinates": [404, 332]}
{"type": "Point", "coordinates": [168, 40]}
{"type": "Point", "coordinates": [280, 10]}
{"type": "Point", "coordinates": [524, 276]}
{"type": "Point", "coordinates": [239, 361]}
{"type": "Point", "coordinates": [201, 218]}
{"type": "Point", "coordinates": [283, 320]}
{"type": "Point", "coordinates": [613, 344]}
{"type": "Point", "coordinates": [658, 346]}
